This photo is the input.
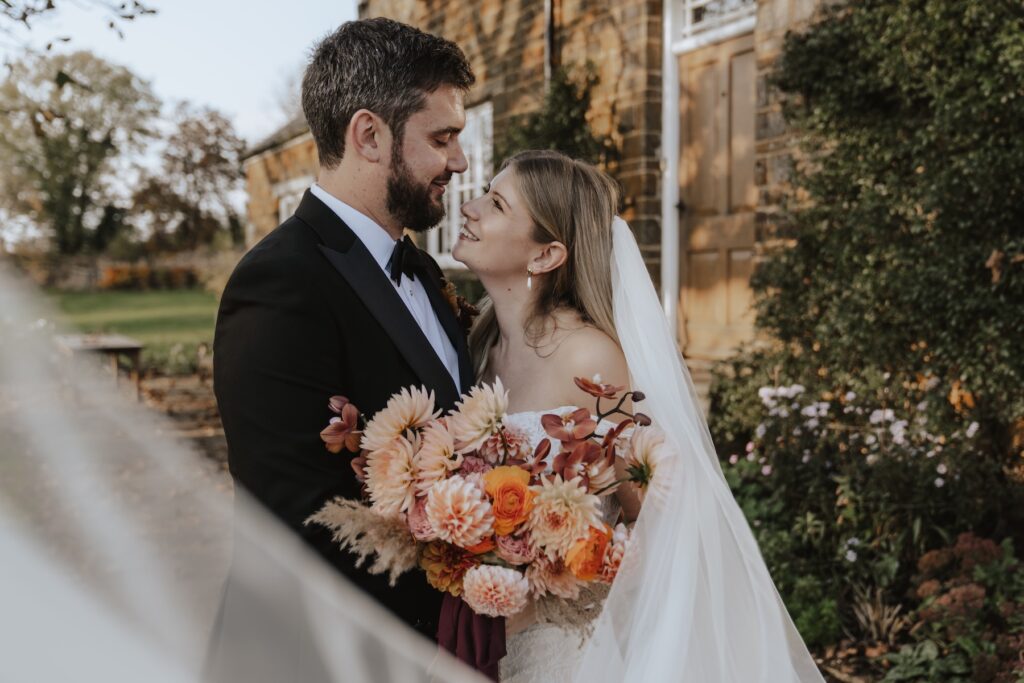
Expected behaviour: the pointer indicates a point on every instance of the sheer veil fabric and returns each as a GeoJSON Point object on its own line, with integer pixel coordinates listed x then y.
{"type": "Point", "coordinates": [116, 539]}
{"type": "Point", "coordinates": [694, 600]}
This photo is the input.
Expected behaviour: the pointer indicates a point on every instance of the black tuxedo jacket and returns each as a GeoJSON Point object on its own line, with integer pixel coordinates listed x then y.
{"type": "Point", "coordinates": [308, 314]}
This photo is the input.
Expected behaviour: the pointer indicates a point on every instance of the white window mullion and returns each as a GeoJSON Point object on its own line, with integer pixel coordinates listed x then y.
{"type": "Point", "coordinates": [476, 141]}
{"type": "Point", "coordinates": [705, 22]}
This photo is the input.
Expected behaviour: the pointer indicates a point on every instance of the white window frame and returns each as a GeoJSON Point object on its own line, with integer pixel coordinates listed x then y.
{"type": "Point", "coordinates": [726, 19]}
{"type": "Point", "coordinates": [289, 194]}
{"type": "Point", "coordinates": [477, 141]}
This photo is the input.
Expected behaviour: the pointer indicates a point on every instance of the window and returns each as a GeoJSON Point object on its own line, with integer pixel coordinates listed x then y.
{"type": "Point", "coordinates": [703, 22]}
{"type": "Point", "coordinates": [289, 194]}
{"type": "Point", "coordinates": [476, 141]}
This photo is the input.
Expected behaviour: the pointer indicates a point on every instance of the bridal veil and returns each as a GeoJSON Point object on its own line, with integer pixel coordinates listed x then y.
{"type": "Point", "coordinates": [694, 601]}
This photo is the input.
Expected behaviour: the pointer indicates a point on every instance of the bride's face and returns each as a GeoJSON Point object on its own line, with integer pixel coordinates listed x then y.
{"type": "Point", "coordinates": [497, 233]}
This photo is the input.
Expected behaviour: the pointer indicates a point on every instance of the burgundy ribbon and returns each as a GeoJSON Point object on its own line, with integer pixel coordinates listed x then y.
{"type": "Point", "coordinates": [475, 639]}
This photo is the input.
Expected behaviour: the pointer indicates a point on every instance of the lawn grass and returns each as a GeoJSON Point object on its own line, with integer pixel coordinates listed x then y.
{"type": "Point", "coordinates": [171, 323]}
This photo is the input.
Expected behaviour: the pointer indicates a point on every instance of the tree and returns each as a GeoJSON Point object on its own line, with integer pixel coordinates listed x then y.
{"type": "Point", "coordinates": [61, 138]}
{"type": "Point", "coordinates": [190, 201]}
{"type": "Point", "coordinates": [25, 12]}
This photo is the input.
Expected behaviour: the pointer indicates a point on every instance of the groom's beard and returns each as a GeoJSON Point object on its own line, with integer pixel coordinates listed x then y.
{"type": "Point", "coordinates": [411, 202]}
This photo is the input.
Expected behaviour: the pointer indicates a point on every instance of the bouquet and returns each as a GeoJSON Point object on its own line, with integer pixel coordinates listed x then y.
{"type": "Point", "coordinates": [487, 517]}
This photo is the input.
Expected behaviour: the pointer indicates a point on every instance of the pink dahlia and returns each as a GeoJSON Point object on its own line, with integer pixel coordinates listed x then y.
{"type": "Point", "coordinates": [390, 476]}
{"type": "Point", "coordinates": [552, 576]}
{"type": "Point", "coordinates": [503, 445]}
{"type": "Point", "coordinates": [419, 524]}
{"type": "Point", "coordinates": [516, 549]}
{"type": "Point", "coordinates": [410, 408]}
{"type": "Point", "coordinates": [478, 416]}
{"type": "Point", "coordinates": [495, 591]}
{"type": "Point", "coordinates": [436, 457]}
{"type": "Point", "coordinates": [562, 514]}
{"type": "Point", "coordinates": [471, 464]}
{"type": "Point", "coordinates": [614, 553]}
{"type": "Point", "coordinates": [459, 512]}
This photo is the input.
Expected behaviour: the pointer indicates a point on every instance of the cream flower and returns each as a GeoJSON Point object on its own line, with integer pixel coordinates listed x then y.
{"type": "Point", "coordinates": [552, 576]}
{"type": "Point", "coordinates": [459, 512]}
{"type": "Point", "coordinates": [495, 591]}
{"type": "Point", "coordinates": [563, 512]}
{"type": "Point", "coordinates": [478, 416]}
{"type": "Point", "coordinates": [409, 408]}
{"type": "Point", "coordinates": [391, 475]}
{"type": "Point", "coordinates": [648, 460]}
{"type": "Point", "coordinates": [436, 457]}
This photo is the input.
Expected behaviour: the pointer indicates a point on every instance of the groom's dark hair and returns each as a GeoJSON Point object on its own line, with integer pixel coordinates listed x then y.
{"type": "Point", "coordinates": [377, 64]}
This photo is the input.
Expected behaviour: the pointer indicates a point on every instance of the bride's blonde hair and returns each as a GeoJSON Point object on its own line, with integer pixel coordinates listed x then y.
{"type": "Point", "coordinates": [571, 202]}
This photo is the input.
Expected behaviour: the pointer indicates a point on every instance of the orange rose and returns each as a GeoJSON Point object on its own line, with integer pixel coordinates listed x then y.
{"type": "Point", "coordinates": [484, 546]}
{"type": "Point", "coordinates": [586, 556]}
{"type": "Point", "coordinates": [511, 497]}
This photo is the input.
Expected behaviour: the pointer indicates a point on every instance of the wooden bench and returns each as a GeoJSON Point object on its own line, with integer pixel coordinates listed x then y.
{"type": "Point", "coordinates": [111, 345]}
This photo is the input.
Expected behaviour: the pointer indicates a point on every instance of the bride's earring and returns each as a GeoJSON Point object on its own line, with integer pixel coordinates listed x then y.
{"type": "Point", "coordinates": [529, 278]}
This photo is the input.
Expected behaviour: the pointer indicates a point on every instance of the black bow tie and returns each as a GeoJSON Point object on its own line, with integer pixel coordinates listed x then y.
{"type": "Point", "coordinates": [405, 260]}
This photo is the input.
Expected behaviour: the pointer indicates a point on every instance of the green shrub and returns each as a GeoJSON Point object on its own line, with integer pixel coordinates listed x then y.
{"type": "Point", "coordinates": [908, 249]}
{"type": "Point", "coordinates": [848, 479]}
{"type": "Point", "coordinates": [884, 418]}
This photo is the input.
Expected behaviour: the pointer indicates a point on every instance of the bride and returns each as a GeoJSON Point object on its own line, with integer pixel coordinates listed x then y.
{"type": "Point", "coordinates": [569, 296]}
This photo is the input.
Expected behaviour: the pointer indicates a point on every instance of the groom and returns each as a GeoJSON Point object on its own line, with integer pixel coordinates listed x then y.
{"type": "Point", "coordinates": [335, 300]}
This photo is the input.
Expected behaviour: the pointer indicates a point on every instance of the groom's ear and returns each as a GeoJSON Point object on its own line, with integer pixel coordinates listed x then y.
{"type": "Point", "coordinates": [367, 135]}
{"type": "Point", "coordinates": [552, 256]}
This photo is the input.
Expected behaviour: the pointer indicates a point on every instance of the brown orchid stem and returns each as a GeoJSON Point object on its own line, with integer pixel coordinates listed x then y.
{"type": "Point", "coordinates": [617, 410]}
{"type": "Point", "coordinates": [504, 444]}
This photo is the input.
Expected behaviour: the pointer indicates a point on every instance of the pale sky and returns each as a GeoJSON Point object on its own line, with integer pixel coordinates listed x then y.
{"type": "Point", "coordinates": [234, 55]}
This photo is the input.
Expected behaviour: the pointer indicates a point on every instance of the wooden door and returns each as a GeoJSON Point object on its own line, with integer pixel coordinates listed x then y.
{"type": "Point", "coordinates": [716, 176]}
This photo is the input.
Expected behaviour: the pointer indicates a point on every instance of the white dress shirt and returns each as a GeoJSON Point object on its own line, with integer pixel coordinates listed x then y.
{"type": "Point", "coordinates": [380, 245]}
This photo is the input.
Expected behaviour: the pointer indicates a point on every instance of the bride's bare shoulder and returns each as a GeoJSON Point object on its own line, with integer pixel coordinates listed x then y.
{"type": "Point", "coordinates": [587, 352]}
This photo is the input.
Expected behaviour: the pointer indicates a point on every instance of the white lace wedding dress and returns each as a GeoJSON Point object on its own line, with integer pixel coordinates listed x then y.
{"type": "Point", "coordinates": [545, 652]}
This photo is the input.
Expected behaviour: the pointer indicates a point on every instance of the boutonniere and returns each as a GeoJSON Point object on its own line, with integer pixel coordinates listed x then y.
{"type": "Point", "coordinates": [464, 311]}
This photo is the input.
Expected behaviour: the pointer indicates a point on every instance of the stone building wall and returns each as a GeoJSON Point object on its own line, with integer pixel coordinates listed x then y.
{"type": "Point", "coordinates": [272, 176]}
{"type": "Point", "coordinates": [505, 43]}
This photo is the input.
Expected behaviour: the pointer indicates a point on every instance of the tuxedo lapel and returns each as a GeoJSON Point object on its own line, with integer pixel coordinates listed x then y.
{"type": "Point", "coordinates": [446, 316]}
{"type": "Point", "coordinates": [347, 254]}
